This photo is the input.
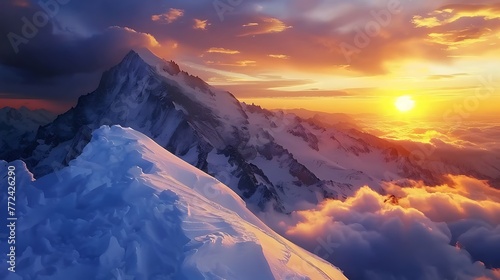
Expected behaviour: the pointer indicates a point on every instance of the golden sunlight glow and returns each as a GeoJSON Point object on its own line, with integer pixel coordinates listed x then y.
{"type": "Point", "coordinates": [404, 103]}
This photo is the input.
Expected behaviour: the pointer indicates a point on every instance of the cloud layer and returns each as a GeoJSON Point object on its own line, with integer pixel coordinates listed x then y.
{"type": "Point", "coordinates": [442, 145]}
{"type": "Point", "coordinates": [413, 232]}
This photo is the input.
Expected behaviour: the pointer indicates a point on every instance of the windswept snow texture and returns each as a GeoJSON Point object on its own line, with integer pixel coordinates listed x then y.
{"type": "Point", "coordinates": [128, 209]}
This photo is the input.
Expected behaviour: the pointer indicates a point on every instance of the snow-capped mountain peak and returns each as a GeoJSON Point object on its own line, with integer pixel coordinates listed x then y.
{"type": "Point", "coordinates": [268, 158]}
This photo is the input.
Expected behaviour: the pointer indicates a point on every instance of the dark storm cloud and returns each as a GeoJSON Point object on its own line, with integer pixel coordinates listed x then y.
{"type": "Point", "coordinates": [54, 50]}
{"type": "Point", "coordinates": [61, 57]}
{"type": "Point", "coordinates": [58, 55]}
{"type": "Point", "coordinates": [83, 38]}
{"type": "Point", "coordinates": [61, 90]}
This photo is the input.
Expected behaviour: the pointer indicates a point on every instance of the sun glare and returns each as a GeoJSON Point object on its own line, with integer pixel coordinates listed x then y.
{"type": "Point", "coordinates": [405, 103]}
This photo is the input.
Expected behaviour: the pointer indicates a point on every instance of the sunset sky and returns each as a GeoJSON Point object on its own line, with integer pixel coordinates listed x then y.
{"type": "Point", "coordinates": [328, 55]}
{"type": "Point", "coordinates": [407, 186]}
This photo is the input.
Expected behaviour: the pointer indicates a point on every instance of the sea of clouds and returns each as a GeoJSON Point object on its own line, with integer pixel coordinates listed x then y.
{"type": "Point", "coordinates": [450, 231]}
{"type": "Point", "coordinates": [415, 231]}
{"type": "Point", "coordinates": [467, 148]}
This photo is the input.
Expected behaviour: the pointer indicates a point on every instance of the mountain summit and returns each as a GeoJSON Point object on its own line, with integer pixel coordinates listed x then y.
{"type": "Point", "coordinates": [268, 158]}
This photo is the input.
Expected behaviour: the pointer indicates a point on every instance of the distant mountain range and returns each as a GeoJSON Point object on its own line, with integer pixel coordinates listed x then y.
{"type": "Point", "coordinates": [327, 120]}
{"type": "Point", "coordinates": [18, 127]}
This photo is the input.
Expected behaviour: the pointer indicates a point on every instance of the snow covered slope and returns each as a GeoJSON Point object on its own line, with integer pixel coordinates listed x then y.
{"type": "Point", "coordinates": [128, 209]}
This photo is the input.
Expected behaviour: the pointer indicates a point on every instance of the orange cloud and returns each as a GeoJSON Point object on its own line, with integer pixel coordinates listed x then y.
{"type": "Point", "coordinates": [222, 50]}
{"type": "Point", "coordinates": [169, 17]}
{"type": "Point", "coordinates": [463, 198]}
{"type": "Point", "coordinates": [250, 24]}
{"type": "Point", "coordinates": [238, 63]}
{"type": "Point", "coordinates": [462, 25]}
{"type": "Point", "coordinates": [452, 13]}
{"type": "Point", "coordinates": [201, 24]}
{"type": "Point", "coordinates": [244, 63]}
{"type": "Point", "coordinates": [467, 36]}
{"type": "Point", "coordinates": [421, 21]}
{"type": "Point", "coordinates": [268, 25]}
{"type": "Point", "coordinates": [152, 40]}
{"type": "Point", "coordinates": [280, 56]}
{"type": "Point", "coordinates": [456, 12]}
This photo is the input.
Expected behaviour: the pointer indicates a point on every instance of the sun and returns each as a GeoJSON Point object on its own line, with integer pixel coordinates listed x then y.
{"type": "Point", "coordinates": [405, 103]}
